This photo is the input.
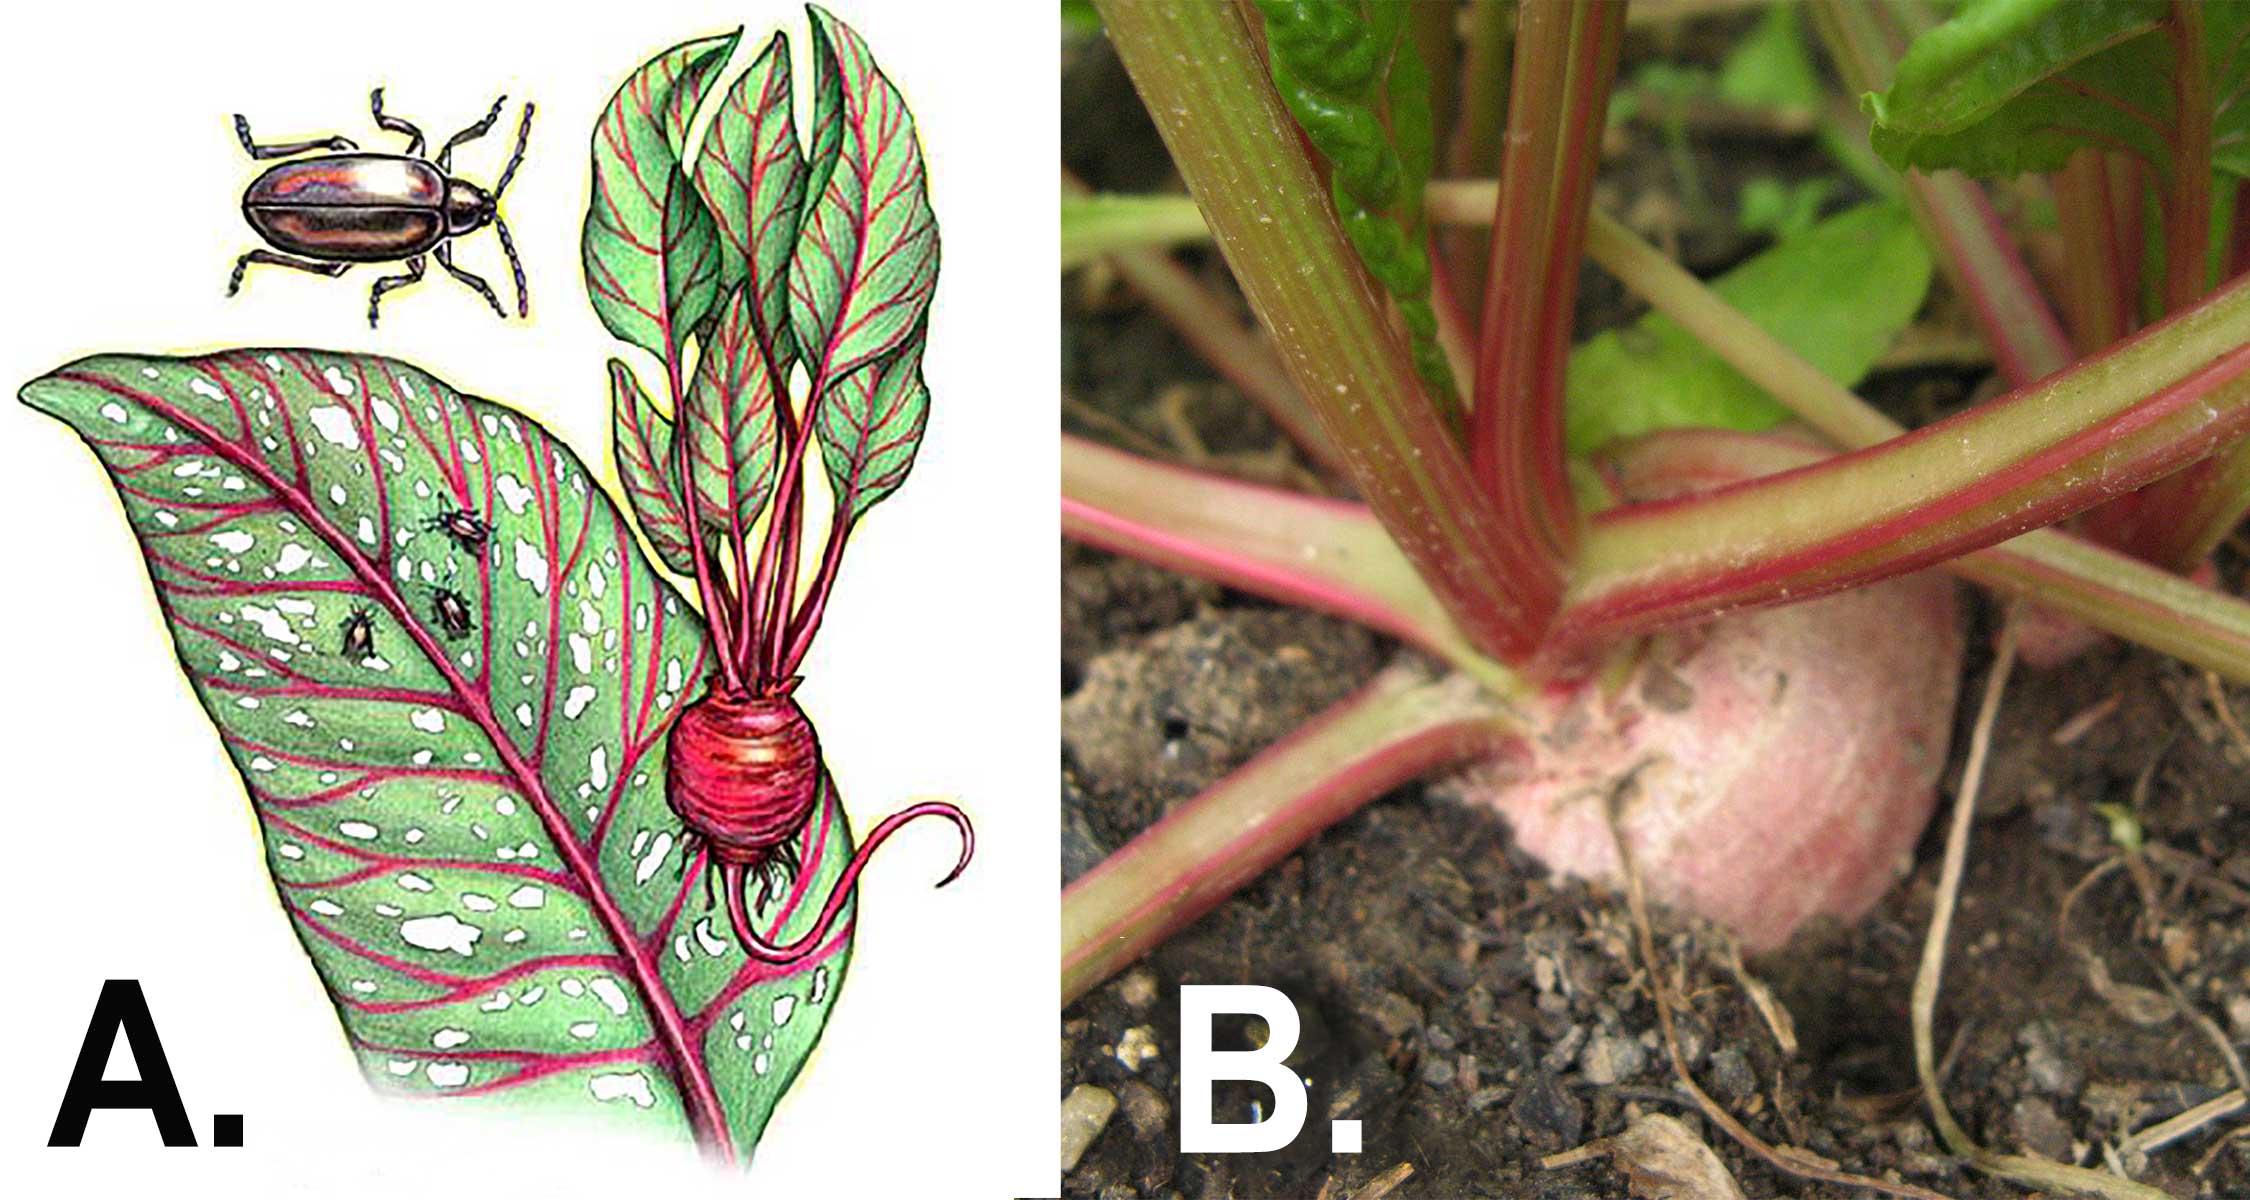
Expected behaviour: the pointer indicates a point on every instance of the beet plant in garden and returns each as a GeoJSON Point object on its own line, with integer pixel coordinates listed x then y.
{"type": "Point", "coordinates": [550, 832]}
{"type": "Point", "coordinates": [1687, 580]}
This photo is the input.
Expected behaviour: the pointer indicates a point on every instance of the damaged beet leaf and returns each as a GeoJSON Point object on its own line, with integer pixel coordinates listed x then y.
{"type": "Point", "coordinates": [466, 827]}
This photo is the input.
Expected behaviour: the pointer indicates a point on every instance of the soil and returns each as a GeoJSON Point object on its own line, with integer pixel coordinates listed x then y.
{"type": "Point", "coordinates": [1478, 1016]}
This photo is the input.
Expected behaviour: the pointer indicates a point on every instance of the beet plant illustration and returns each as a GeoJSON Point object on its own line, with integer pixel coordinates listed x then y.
{"type": "Point", "coordinates": [550, 832]}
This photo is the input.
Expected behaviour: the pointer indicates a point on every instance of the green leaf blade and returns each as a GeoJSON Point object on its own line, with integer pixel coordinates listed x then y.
{"type": "Point", "coordinates": [628, 234]}
{"type": "Point", "coordinates": [731, 422]}
{"type": "Point", "coordinates": [866, 260]}
{"type": "Point", "coordinates": [870, 428]}
{"type": "Point", "coordinates": [752, 175]}
{"type": "Point", "coordinates": [1655, 375]}
{"type": "Point", "coordinates": [2007, 86]}
{"type": "Point", "coordinates": [642, 441]}
{"type": "Point", "coordinates": [465, 819]}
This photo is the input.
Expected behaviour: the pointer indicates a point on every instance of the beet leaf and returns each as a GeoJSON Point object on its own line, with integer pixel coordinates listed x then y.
{"type": "Point", "coordinates": [2019, 85]}
{"type": "Point", "coordinates": [752, 175]}
{"type": "Point", "coordinates": [866, 259]}
{"type": "Point", "coordinates": [1655, 375]}
{"type": "Point", "coordinates": [642, 246]}
{"type": "Point", "coordinates": [728, 416]}
{"type": "Point", "coordinates": [871, 426]}
{"type": "Point", "coordinates": [641, 437]}
{"type": "Point", "coordinates": [467, 830]}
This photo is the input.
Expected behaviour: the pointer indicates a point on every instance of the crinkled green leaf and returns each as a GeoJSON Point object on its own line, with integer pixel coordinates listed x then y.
{"type": "Point", "coordinates": [466, 826]}
{"type": "Point", "coordinates": [641, 254]}
{"type": "Point", "coordinates": [1839, 295]}
{"type": "Point", "coordinates": [866, 258]}
{"type": "Point", "coordinates": [752, 175]}
{"type": "Point", "coordinates": [871, 426]}
{"type": "Point", "coordinates": [1360, 91]}
{"type": "Point", "coordinates": [729, 420]}
{"type": "Point", "coordinates": [2006, 86]}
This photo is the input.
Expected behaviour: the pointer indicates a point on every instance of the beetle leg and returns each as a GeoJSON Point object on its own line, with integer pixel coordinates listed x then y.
{"type": "Point", "coordinates": [472, 133]}
{"type": "Point", "coordinates": [285, 149]}
{"type": "Point", "coordinates": [394, 125]}
{"type": "Point", "coordinates": [445, 259]}
{"type": "Point", "coordinates": [413, 274]}
{"type": "Point", "coordinates": [330, 269]}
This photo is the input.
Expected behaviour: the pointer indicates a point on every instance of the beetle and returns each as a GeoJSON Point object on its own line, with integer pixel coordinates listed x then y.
{"type": "Point", "coordinates": [468, 530]}
{"type": "Point", "coordinates": [325, 213]}
{"type": "Point", "coordinates": [359, 635]}
{"type": "Point", "coordinates": [452, 609]}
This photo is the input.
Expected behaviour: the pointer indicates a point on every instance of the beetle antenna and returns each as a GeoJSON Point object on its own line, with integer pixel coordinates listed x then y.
{"type": "Point", "coordinates": [523, 135]}
{"type": "Point", "coordinates": [508, 244]}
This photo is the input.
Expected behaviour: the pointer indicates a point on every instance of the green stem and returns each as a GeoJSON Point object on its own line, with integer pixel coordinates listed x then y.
{"type": "Point", "coordinates": [1202, 319]}
{"type": "Point", "coordinates": [1199, 73]}
{"type": "Point", "coordinates": [2093, 285]}
{"type": "Point", "coordinates": [1097, 224]}
{"type": "Point", "coordinates": [1402, 724]}
{"type": "Point", "coordinates": [2187, 194]}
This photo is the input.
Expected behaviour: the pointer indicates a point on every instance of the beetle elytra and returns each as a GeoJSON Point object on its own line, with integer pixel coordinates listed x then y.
{"type": "Point", "coordinates": [324, 213]}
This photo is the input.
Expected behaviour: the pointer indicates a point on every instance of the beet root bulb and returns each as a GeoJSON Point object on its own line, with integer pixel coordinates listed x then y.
{"type": "Point", "coordinates": [743, 774]}
{"type": "Point", "coordinates": [1770, 766]}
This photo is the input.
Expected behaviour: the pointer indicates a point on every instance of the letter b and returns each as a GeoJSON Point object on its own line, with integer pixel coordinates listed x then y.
{"type": "Point", "coordinates": [1201, 1066]}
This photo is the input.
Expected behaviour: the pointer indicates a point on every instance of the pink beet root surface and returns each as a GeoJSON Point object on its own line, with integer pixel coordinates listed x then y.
{"type": "Point", "coordinates": [1787, 759]}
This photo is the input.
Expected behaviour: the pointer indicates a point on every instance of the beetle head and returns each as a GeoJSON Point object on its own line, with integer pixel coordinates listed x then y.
{"type": "Point", "coordinates": [467, 208]}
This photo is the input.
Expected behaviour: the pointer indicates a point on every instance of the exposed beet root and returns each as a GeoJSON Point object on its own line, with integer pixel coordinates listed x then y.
{"type": "Point", "coordinates": [743, 773]}
{"type": "Point", "coordinates": [1782, 762]}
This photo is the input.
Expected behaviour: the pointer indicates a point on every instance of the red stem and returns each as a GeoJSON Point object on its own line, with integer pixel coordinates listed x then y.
{"type": "Point", "coordinates": [807, 620]}
{"type": "Point", "coordinates": [1198, 70]}
{"type": "Point", "coordinates": [1565, 61]}
{"type": "Point", "coordinates": [707, 590]}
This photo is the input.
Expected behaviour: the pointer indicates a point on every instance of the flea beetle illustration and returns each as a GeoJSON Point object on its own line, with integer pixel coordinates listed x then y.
{"type": "Point", "coordinates": [324, 213]}
{"type": "Point", "coordinates": [468, 530]}
{"type": "Point", "coordinates": [359, 635]}
{"type": "Point", "coordinates": [452, 611]}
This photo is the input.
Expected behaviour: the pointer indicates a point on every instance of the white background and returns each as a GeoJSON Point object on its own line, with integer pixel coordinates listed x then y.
{"type": "Point", "coordinates": [129, 847]}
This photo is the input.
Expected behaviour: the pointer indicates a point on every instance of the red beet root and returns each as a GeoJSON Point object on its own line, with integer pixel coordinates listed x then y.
{"type": "Point", "coordinates": [743, 773]}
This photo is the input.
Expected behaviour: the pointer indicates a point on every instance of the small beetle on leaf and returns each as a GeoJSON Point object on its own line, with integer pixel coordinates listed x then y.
{"type": "Point", "coordinates": [323, 214]}
{"type": "Point", "coordinates": [452, 609]}
{"type": "Point", "coordinates": [359, 635]}
{"type": "Point", "coordinates": [468, 530]}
